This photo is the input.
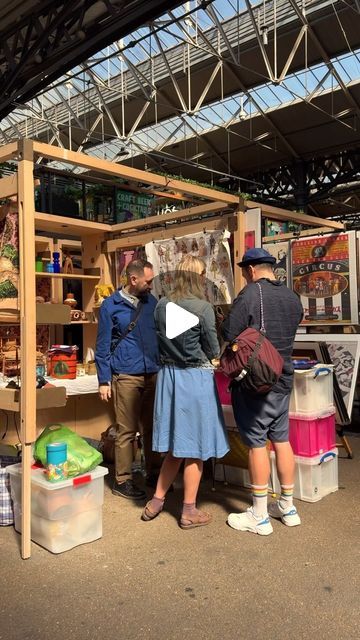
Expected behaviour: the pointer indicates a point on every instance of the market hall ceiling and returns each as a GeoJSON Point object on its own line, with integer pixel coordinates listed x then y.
{"type": "Point", "coordinates": [207, 90]}
{"type": "Point", "coordinates": [41, 40]}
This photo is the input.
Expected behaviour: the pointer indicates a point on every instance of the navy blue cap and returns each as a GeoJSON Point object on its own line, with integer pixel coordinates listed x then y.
{"type": "Point", "coordinates": [256, 256]}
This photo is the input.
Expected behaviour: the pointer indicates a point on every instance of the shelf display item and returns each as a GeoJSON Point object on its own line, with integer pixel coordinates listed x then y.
{"type": "Point", "coordinates": [63, 361]}
{"type": "Point", "coordinates": [68, 266]}
{"type": "Point", "coordinates": [102, 291]}
{"type": "Point", "coordinates": [70, 300]}
{"type": "Point", "coordinates": [56, 262]}
{"type": "Point", "coordinates": [39, 264]}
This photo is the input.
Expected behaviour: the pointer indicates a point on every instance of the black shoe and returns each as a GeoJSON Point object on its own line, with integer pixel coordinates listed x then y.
{"type": "Point", "coordinates": [128, 490]}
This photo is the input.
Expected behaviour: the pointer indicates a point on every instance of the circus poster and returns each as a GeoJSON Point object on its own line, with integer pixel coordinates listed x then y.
{"type": "Point", "coordinates": [324, 277]}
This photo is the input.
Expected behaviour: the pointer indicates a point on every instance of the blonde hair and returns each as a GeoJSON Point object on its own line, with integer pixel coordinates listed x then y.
{"type": "Point", "coordinates": [188, 279]}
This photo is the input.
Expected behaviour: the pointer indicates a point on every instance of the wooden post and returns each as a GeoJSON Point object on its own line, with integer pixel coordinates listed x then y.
{"type": "Point", "coordinates": [27, 331]}
{"type": "Point", "coordinates": [92, 256]}
{"type": "Point", "coordinates": [239, 250]}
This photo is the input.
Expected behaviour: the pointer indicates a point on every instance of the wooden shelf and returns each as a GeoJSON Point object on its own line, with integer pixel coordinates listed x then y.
{"type": "Point", "coordinates": [52, 223]}
{"type": "Point", "coordinates": [45, 314]}
{"type": "Point", "coordinates": [82, 322]}
{"type": "Point", "coordinates": [66, 276]}
{"type": "Point", "coordinates": [45, 398]}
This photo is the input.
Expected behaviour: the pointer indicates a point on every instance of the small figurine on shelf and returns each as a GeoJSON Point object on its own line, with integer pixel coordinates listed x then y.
{"type": "Point", "coordinates": [102, 291]}
{"type": "Point", "coordinates": [68, 266]}
{"type": "Point", "coordinates": [70, 300]}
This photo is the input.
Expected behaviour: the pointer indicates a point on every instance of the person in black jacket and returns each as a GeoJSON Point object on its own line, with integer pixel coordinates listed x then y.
{"type": "Point", "coordinates": [265, 417]}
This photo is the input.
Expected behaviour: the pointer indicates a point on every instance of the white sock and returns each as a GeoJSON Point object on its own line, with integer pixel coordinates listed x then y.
{"type": "Point", "coordinates": [259, 496]}
{"type": "Point", "coordinates": [286, 497]}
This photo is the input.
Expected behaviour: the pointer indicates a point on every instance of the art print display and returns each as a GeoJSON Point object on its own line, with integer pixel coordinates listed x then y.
{"type": "Point", "coordinates": [252, 228]}
{"type": "Point", "coordinates": [275, 227]}
{"type": "Point", "coordinates": [211, 246]}
{"type": "Point", "coordinates": [122, 259]}
{"type": "Point", "coordinates": [280, 251]}
{"type": "Point", "coordinates": [344, 353]}
{"type": "Point", "coordinates": [324, 277]}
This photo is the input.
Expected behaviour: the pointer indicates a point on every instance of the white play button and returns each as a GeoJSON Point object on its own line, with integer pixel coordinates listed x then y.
{"type": "Point", "coordinates": [178, 320]}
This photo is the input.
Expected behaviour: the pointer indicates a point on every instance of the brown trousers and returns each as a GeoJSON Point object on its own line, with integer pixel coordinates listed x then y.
{"type": "Point", "coordinates": [133, 398]}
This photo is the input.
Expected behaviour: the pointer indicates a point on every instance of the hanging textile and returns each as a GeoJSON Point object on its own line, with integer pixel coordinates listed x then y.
{"type": "Point", "coordinates": [9, 260]}
{"type": "Point", "coordinates": [211, 246]}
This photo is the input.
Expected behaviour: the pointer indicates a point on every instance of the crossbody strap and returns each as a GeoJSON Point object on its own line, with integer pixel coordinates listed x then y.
{"type": "Point", "coordinates": [262, 324]}
{"type": "Point", "coordinates": [117, 337]}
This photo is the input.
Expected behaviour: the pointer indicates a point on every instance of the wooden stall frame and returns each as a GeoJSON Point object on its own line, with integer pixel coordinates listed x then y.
{"type": "Point", "coordinates": [26, 152]}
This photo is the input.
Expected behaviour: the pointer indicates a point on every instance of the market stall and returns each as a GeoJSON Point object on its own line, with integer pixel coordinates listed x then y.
{"type": "Point", "coordinates": [210, 219]}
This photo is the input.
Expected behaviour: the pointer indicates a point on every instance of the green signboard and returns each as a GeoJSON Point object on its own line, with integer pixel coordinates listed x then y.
{"type": "Point", "coordinates": [132, 206]}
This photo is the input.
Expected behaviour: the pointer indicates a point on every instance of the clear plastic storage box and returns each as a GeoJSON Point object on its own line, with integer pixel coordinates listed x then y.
{"type": "Point", "coordinates": [313, 391]}
{"type": "Point", "coordinates": [63, 514]}
{"type": "Point", "coordinates": [315, 477]}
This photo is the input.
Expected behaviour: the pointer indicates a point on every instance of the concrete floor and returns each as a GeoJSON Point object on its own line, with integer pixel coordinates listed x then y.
{"type": "Point", "coordinates": [153, 581]}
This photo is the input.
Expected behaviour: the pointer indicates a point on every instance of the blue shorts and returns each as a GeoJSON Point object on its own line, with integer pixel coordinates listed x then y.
{"type": "Point", "coordinates": [260, 418]}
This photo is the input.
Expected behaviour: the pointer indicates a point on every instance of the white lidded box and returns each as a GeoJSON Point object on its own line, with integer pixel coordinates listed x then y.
{"type": "Point", "coordinates": [63, 514]}
{"type": "Point", "coordinates": [313, 391]}
{"type": "Point", "coordinates": [315, 477]}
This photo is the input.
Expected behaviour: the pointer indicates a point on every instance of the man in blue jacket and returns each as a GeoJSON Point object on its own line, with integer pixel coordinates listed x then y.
{"type": "Point", "coordinates": [127, 361]}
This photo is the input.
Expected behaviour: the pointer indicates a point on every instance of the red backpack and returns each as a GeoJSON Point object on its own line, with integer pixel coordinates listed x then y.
{"type": "Point", "coordinates": [252, 360]}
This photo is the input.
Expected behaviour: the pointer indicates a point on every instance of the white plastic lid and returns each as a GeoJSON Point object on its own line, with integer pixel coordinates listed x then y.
{"type": "Point", "coordinates": [316, 415]}
{"type": "Point", "coordinates": [38, 477]}
{"type": "Point", "coordinates": [315, 371]}
{"type": "Point", "coordinates": [314, 460]}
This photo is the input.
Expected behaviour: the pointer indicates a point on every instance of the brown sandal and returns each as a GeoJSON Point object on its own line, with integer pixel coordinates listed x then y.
{"type": "Point", "coordinates": [199, 520]}
{"type": "Point", "coordinates": [147, 514]}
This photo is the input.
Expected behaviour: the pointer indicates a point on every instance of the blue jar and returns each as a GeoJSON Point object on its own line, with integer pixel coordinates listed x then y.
{"type": "Point", "coordinates": [56, 452]}
{"type": "Point", "coordinates": [56, 461]}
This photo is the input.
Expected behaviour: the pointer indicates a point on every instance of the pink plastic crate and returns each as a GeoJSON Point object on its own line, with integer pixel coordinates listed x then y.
{"type": "Point", "coordinates": [222, 383]}
{"type": "Point", "coordinates": [312, 436]}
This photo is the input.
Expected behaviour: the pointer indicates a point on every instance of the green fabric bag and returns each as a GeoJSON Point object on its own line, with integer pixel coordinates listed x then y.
{"type": "Point", "coordinates": [81, 456]}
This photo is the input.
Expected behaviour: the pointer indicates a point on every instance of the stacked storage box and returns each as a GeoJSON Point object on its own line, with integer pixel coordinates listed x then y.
{"type": "Point", "coordinates": [311, 434]}
{"type": "Point", "coordinates": [63, 514]}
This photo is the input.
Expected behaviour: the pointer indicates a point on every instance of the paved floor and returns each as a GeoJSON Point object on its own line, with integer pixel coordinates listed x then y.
{"type": "Point", "coordinates": [154, 581]}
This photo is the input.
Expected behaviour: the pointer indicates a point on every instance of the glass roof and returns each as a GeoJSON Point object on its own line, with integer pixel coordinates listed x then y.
{"type": "Point", "coordinates": [93, 83]}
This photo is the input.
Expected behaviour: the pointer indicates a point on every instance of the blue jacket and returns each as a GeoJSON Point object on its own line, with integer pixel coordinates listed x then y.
{"type": "Point", "coordinates": [138, 352]}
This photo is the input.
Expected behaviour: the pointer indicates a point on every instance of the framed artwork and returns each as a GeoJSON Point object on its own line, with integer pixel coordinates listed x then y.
{"type": "Point", "coordinates": [280, 251]}
{"type": "Point", "coordinates": [344, 353]}
{"type": "Point", "coordinates": [253, 229]}
{"type": "Point", "coordinates": [324, 277]}
{"type": "Point", "coordinates": [275, 227]}
{"type": "Point", "coordinates": [122, 259]}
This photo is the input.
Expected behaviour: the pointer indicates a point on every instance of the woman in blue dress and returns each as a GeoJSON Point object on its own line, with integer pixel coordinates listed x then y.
{"type": "Point", "coordinates": [188, 419]}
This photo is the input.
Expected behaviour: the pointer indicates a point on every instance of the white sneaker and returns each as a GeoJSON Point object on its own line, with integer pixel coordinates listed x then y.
{"type": "Point", "coordinates": [288, 516]}
{"type": "Point", "coordinates": [248, 521]}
